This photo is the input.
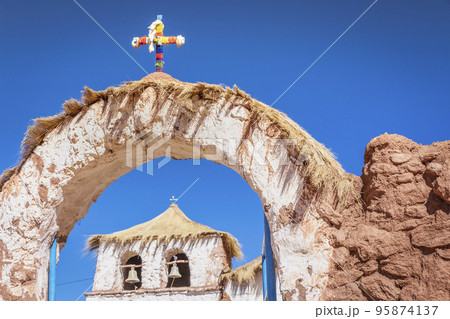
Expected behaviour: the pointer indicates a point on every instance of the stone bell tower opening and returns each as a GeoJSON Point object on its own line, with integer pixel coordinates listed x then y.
{"type": "Point", "coordinates": [179, 262]}
{"type": "Point", "coordinates": [132, 273]}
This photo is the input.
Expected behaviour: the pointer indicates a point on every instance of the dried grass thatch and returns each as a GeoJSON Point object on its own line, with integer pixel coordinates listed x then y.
{"type": "Point", "coordinates": [321, 167]}
{"type": "Point", "coordinates": [172, 224]}
{"type": "Point", "coordinates": [244, 273]}
{"type": "Point", "coordinates": [72, 107]}
{"type": "Point", "coordinates": [7, 174]}
{"type": "Point", "coordinates": [90, 96]}
{"type": "Point", "coordinates": [36, 133]}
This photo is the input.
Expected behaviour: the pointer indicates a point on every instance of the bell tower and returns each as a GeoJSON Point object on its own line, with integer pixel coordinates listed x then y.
{"type": "Point", "coordinates": [167, 258]}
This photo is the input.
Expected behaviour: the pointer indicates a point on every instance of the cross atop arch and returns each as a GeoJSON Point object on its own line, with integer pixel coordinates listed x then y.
{"type": "Point", "coordinates": [156, 37]}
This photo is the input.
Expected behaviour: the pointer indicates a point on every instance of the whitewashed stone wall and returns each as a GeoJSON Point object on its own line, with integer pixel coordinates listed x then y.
{"type": "Point", "coordinates": [249, 291]}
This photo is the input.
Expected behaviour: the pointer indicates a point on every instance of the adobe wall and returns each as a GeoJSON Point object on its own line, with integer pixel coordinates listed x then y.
{"type": "Point", "coordinates": [399, 248]}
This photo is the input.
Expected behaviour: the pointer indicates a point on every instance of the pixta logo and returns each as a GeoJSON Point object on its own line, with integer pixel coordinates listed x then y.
{"type": "Point", "coordinates": [144, 148]}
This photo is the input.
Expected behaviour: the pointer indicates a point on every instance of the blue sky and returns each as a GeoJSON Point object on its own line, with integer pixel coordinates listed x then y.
{"type": "Point", "coordinates": [389, 73]}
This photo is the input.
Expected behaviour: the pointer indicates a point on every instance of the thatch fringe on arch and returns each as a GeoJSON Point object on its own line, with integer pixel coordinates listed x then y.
{"type": "Point", "coordinates": [244, 273]}
{"type": "Point", "coordinates": [321, 167]}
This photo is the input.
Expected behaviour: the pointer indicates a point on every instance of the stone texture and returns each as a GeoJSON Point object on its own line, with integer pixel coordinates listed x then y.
{"type": "Point", "coordinates": [431, 236]}
{"type": "Point", "coordinates": [402, 265]}
{"type": "Point", "coordinates": [441, 186]}
{"type": "Point", "coordinates": [400, 158]}
{"type": "Point", "coordinates": [373, 243]}
{"type": "Point", "coordinates": [443, 253]}
{"type": "Point", "coordinates": [379, 287]}
{"type": "Point", "coordinates": [401, 240]}
{"type": "Point", "coordinates": [369, 267]}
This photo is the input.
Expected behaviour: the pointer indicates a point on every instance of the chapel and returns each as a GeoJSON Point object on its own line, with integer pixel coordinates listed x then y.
{"type": "Point", "coordinates": [172, 258]}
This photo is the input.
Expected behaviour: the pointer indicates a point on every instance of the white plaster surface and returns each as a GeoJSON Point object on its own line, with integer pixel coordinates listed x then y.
{"type": "Point", "coordinates": [249, 291]}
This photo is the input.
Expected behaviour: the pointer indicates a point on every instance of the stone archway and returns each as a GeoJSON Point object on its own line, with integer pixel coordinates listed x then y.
{"type": "Point", "coordinates": [78, 153]}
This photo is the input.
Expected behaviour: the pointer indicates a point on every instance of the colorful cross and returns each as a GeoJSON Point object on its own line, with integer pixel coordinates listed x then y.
{"type": "Point", "coordinates": [155, 37]}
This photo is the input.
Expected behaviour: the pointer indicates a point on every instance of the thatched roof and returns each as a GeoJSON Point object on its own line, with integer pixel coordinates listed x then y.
{"type": "Point", "coordinates": [321, 167]}
{"type": "Point", "coordinates": [172, 224]}
{"type": "Point", "coordinates": [244, 273]}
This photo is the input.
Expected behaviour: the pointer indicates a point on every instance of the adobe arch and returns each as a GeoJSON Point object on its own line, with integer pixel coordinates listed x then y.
{"type": "Point", "coordinates": [92, 144]}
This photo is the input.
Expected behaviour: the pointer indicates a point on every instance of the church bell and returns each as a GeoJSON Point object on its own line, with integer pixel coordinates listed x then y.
{"type": "Point", "coordinates": [132, 276]}
{"type": "Point", "coordinates": [174, 272]}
